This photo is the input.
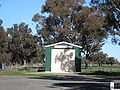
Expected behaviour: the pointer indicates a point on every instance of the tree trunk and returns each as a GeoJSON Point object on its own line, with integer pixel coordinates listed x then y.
{"type": "Point", "coordinates": [86, 62]}
{"type": "Point", "coordinates": [111, 64]}
{"type": "Point", "coordinates": [24, 62]}
{"type": "Point", "coordinates": [99, 64]}
{"type": "Point", "coordinates": [86, 65]}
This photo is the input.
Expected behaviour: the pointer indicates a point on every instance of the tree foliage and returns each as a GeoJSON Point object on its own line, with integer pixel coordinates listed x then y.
{"type": "Point", "coordinates": [19, 46]}
{"type": "Point", "coordinates": [112, 60]}
{"type": "Point", "coordinates": [111, 9]}
{"type": "Point", "coordinates": [22, 44]}
{"type": "Point", "coordinates": [101, 58]}
{"type": "Point", "coordinates": [71, 21]}
{"type": "Point", "coordinates": [4, 53]}
{"type": "Point", "coordinates": [67, 20]}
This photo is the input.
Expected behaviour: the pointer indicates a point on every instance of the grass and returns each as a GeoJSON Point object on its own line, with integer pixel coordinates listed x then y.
{"type": "Point", "coordinates": [90, 71]}
{"type": "Point", "coordinates": [10, 72]}
{"type": "Point", "coordinates": [105, 70]}
{"type": "Point", "coordinates": [22, 73]}
{"type": "Point", "coordinates": [45, 75]}
{"type": "Point", "coordinates": [104, 66]}
{"type": "Point", "coordinates": [26, 69]}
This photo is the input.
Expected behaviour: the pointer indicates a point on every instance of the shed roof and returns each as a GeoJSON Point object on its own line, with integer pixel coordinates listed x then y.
{"type": "Point", "coordinates": [63, 43]}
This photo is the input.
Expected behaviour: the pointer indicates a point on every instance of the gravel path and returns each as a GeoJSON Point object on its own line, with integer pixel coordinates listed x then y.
{"type": "Point", "coordinates": [51, 83]}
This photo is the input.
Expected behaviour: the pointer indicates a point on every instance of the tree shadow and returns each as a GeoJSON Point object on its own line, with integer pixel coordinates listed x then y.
{"type": "Point", "coordinates": [66, 60]}
{"type": "Point", "coordinates": [77, 82]}
{"type": "Point", "coordinates": [72, 78]}
{"type": "Point", "coordinates": [111, 76]}
{"type": "Point", "coordinates": [84, 86]}
{"type": "Point", "coordinates": [106, 73]}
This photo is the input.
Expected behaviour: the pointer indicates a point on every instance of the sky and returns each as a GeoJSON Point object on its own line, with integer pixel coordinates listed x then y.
{"type": "Point", "coordinates": [17, 11]}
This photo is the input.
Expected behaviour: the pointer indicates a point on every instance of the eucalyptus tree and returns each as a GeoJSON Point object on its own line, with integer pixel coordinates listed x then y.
{"type": "Point", "coordinates": [100, 58]}
{"type": "Point", "coordinates": [112, 60]}
{"type": "Point", "coordinates": [4, 53]}
{"type": "Point", "coordinates": [111, 9]}
{"type": "Point", "coordinates": [71, 21]}
{"type": "Point", "coordinates": [22, 44]}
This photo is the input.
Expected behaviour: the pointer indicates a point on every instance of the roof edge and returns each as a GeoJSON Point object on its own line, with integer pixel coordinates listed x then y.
{"type": "Point", "coordinates": [65, 43]}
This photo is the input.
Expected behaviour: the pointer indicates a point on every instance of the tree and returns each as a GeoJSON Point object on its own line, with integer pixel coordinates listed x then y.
{"type": "Point", "coordinates": [102, 58]}
{"type": "Point", "coordinates": [111, 9]}
{"type": "Point", "coordinates": [99, 58]}
{"type": "Point", "coordinates": [4, 53]}
{"type": "Point", "coordinates": [70, 21]}
{"type": "Point", "coordinates": [111, 60]}
{"type": "Point", "coordinates": [22, 44]}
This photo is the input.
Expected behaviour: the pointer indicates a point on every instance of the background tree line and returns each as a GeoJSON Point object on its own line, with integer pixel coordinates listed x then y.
{"type": "Point", "coordinates": [100, 59]}
{"type": "Point", "coordinates": [67, 20]}
{"type": "Point", "coordinates": [19, 46]}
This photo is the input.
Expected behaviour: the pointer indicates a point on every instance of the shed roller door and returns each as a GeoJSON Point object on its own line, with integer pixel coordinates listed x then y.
{"type": "Point", "coordinates": [63, 60]}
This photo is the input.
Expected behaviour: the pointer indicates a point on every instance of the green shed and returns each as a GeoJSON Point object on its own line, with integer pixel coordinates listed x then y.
{"type": "Point", "coordinates": [63, 57]}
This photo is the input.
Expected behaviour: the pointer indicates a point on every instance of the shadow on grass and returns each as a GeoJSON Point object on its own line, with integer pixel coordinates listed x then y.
{"type": "Point", "coordinates": [102, 73]}
{"type": "Point", "coordinates": [106, 73]}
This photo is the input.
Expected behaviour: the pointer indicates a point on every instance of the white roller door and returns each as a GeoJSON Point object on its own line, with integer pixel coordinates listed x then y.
{"type": "Point", "coordinates": [63, 60]}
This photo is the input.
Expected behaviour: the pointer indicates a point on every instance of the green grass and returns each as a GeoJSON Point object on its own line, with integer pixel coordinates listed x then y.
{"type": "Point", "coordinates": [26, 69]}
{"type": "Point", "coordinates": [100, 71]}
{"type": "Point", "coordinates": [10, 72]}
{"type": "Point", "coordinates": [45, 75]}
{"type": "Point", "coordinates": [19, 73]}
{"type": "Point", "coordinates": [102, 67]}
{"type": "Point", "coordinates": [22, 73]}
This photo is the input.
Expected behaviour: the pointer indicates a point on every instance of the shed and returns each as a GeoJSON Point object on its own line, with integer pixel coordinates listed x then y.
{"type": "Point", "coordinates": [63, 57]}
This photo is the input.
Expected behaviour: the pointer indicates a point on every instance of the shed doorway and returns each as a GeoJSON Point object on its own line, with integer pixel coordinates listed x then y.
{"type": "Point", "coordinates": [63, 60]}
